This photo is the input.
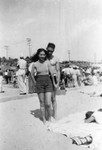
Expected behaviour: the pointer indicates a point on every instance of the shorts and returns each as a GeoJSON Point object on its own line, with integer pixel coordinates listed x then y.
{"type": "Point", "coordinates": [43, 84]}
{"type": "Point", "coordinates": [69, 77]}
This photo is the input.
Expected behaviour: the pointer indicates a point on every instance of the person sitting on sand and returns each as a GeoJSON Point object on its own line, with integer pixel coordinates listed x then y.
{"type": "Point", "coordinates": [94, 116]}
{"type": "Point", "coordinates": [88, 80]}
{"type": "Point", "coordinates": [91, 117]}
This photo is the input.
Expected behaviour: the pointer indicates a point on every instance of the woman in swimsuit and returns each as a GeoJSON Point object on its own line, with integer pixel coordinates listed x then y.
{"type": "Point", "coordinates": [41, 77]}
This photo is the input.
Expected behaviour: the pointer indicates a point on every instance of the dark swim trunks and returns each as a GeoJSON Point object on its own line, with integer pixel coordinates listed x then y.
{"type": "Point", "coordinates": [43, 84]}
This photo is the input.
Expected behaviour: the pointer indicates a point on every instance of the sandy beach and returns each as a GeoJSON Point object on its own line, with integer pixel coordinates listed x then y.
{"type": "Point", "coordinates": [21, 128]}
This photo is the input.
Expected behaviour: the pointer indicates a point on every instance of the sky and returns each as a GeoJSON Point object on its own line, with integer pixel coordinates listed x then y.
{"type": "Point", "coordinates": [74, 26]}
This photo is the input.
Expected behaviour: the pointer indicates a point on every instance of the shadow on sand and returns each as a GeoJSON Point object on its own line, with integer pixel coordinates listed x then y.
{"type": "Point", "coordinates": [36, 113]}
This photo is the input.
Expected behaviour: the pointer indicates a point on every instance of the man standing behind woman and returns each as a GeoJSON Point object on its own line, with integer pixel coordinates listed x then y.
{"type": "Point", "coordinates": [55, 70]}
{"type": "Point", "coordinates": [41, 77]}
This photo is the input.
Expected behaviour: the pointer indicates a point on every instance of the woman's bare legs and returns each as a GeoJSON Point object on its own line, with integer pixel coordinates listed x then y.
{"type": "Point", "coordinates": [41, 97]}
{"type": "Point", "coordinates": [48, 104]}
{"type": "Point", "coordinates": [54, 104]}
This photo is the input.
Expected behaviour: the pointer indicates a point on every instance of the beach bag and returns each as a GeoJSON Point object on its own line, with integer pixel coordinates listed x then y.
{"type": "Point", "coordinates": [61, 92]}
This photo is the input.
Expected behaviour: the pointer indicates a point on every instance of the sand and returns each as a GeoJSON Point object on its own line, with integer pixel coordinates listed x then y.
{"type": "Point", "coordinates": [21, 128]}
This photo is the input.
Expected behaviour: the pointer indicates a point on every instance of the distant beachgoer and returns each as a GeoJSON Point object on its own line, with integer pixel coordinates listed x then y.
{"type": "Point", "coordinates": [62, 80]}
{"type": "Point", "coordinates": [95, 116]}
{"type": "Point", "coordinates": [55, 68]}
{"type": "Point", "coordinates": [78, 76]}
{"type": "Point", "coordinates": [31, 85]}
{"type": "Point", "coordinates": [6, 76]}
{"type": "Point", "coordinates": [1, 82]}
{"type": "Point", "coordinates": [74, 76]}
{"type": "Point", "coordinates": [68, 76]}
{"type": "Point", "coordinates": [88, 80]}
{"type": "Point", "coordinates": [41, 77]}
{"type": "Point", "coordinates": [14, 78]}
{"type": "Point", "coordinates": [71, 76]}
{"type": "Point", "coordinates": [9, 76]}
{"type": "Point", "coordinates": [95, 80]}
{"type": "Point", "coordinates": [14, 81]}
{"type": "Point", "coordinates": [21, 75]}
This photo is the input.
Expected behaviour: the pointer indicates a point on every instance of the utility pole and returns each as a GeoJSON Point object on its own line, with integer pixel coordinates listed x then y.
{"type": "Point", "coordinates": [29, 45]}
{"type": "Point", "coordinates": [69, 55]}
{"type": "Point", "coordinates": [6, 48]}
{"type": "Point", "coordinates": [94, 57]}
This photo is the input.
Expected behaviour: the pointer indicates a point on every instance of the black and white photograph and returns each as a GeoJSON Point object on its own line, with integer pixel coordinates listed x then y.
{"type": "Point", "coordinates": [50, 74]}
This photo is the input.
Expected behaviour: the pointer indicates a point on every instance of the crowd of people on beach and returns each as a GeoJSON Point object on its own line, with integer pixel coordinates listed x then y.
{"type": "Point", "coordinates": [75, 76]}
{"type": "Point", "coordinates": [43, 74]}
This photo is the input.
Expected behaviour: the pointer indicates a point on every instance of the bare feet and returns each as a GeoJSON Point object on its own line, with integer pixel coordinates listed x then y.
{"type": "Point", "coordinates": [53, 120]}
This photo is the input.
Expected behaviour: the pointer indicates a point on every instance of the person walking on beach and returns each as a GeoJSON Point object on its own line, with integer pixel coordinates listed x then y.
{"type": "Point", "coordinates": [40, 75]}
{"type": "Point", "coordinates": [6, 76]}
{"type": "Point", "coordinates": [55, 69]}
{"type": "Point", "coordinates": [1, 82]}
{"type": "Point", "coordinates": [22, 64]}
{"type": "Point", "coordinates": [31, 85]}
{"type": "Point", "coordinates": [74, 75]}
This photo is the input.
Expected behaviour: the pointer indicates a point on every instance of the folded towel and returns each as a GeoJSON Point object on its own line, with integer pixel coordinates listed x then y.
{"type": "Point", "coordinates": [82, 140]}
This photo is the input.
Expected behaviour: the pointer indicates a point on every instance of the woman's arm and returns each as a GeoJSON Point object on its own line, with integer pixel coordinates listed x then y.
{"type": "Point", "coordinates": [58, 72]}
{"type": "Point", "coordinates": [33, 73]}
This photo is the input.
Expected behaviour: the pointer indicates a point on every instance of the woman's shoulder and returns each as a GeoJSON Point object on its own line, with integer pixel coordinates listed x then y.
{"type": "Point", "coordinates": [47, 62]}
{"type": "Point", "coordinates": [34, 64]}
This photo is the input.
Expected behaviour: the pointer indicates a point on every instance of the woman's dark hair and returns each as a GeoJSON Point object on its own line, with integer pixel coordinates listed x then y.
{"type": "Point", "coordinates": [35, 57]}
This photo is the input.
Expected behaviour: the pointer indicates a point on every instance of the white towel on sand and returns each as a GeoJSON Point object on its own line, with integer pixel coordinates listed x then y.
{"type": "Point", "coordinates": [74, 125]}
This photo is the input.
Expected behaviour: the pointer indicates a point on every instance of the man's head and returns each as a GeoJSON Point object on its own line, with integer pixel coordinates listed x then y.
{"type": "Point", "coordinates": [21, 56]}
{"type": "Point", "coordinates": [100, 109]}
{"type": "Point", "coordinates": [50, 48]}
{"type": "Point", "coordinates": [88, 114]}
